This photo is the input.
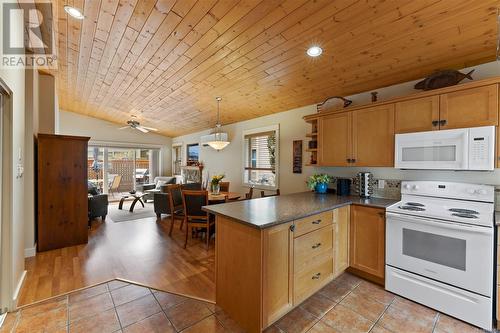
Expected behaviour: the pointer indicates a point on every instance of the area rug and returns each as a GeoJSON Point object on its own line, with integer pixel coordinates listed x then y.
{"type": "Point", "coordinates": [123, 215]}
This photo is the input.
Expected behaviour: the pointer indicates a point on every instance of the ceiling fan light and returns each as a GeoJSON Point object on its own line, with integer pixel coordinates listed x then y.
{"type": "Point", "coordinates": [74, 12]}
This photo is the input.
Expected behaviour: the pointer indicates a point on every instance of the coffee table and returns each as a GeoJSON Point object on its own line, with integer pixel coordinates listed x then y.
{"type": "Point", "coordinates": [137, 198]}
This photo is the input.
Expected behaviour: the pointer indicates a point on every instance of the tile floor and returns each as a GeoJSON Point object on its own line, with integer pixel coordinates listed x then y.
{"type": "Point", "coordinates": [346, 305]}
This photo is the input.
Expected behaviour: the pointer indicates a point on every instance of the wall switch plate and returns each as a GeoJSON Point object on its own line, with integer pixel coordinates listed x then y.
{"type": "Point", "coordinates": [381, 183]}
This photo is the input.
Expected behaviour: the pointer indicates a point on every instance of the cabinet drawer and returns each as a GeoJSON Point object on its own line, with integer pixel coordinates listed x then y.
{"type": "Point", "coordinates": [309, 246]}
{"type": "Point", "coordinates": [311, 223]}
{"type": "Point", "coordinates": [311, 280]}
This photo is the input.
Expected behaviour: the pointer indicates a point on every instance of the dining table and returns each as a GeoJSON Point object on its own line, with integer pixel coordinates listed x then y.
{"type": "Point", "coordinates": [222, 197]}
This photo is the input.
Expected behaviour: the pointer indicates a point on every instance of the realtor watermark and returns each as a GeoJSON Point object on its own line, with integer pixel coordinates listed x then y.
{"type": "Point", "coordinates": [28, 35]}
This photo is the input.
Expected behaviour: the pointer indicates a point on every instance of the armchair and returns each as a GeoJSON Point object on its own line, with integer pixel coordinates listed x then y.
{"type": "Point", "coordinates": [161, 204]}
{"type": "Point", "coordinates": [158, 186]}
{"type": "Point", "coordinates": [97, 203]}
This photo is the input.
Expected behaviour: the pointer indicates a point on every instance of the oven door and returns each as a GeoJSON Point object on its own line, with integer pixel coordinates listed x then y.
{"type": "Point", "coordinates": [445, 149]}
{"type": "Point", "coordinates": [457, 254]}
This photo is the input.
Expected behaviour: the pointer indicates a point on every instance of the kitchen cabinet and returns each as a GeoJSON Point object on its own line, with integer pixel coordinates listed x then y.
{"type": "Point", "coordinates": [367, 242]}
{"type": "Point", "coordinates": [417, 115]}
{"type": "Point", "coordinates": [469, 108]}
{"type": "Point", "coordinates": [313, 262]}
{"type": "Point", "coordinates": [334, 139]}
{"type": "Point", "coordinates": [360, 138]}
{"type": "Point", "coordinates": [341, 218]}
{"type": "Point", "coordinates": [277, 264]}
{"type": "Point", "coordinates": [373, 136]}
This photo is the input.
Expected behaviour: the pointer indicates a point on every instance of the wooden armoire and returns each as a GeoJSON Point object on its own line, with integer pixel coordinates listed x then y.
{"type": "Point", "coordinates": [62, 202]}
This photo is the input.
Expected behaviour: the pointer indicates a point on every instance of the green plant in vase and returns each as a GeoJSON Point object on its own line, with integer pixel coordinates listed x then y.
{"type": "Point", "coordinates": [215, 183]}
{"type": "Point", "coordinates": [319, 182]}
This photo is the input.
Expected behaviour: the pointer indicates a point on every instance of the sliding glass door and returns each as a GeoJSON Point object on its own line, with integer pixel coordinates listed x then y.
{"type": "Point", "coordinates": [117, 171]}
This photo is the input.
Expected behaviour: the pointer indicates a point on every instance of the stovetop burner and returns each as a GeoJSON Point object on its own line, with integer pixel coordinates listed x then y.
{"type": "Point", "coordinates": [463, 211]}
{"type": "Point", "coordinates": [414, 204]}
{"type": "Point", "coordinates": [413, 208]}
{"type": "Point", "coordinates": [467, 216]}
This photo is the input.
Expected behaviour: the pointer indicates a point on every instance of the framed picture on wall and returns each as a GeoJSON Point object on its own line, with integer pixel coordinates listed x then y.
{"type": "Point", "coordinates": [297, 156]}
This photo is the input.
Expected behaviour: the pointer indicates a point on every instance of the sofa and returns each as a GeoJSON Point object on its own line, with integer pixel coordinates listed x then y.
{"type": "Point", "coordinates": [159, 185]}
{"type": "Point", "coordinates": [97, 203]}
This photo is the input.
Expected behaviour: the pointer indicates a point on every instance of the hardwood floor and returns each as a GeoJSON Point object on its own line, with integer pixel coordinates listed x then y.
{"type": "Point", "coordinates": [139, 251]}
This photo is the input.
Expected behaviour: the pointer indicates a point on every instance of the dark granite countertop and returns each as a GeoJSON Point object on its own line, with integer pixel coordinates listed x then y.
{"type": "Point", "coordinates": [266, 212]}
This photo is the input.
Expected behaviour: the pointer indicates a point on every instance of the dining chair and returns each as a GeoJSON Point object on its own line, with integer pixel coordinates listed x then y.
{"type": "Point", "coordinates": [176, 205]}
{"type": "Point", "coordinates": [224, 186]}
{"type": "Point", "coordinates": [249, 195]}
{"type": "Point", "coordinates": [194, 216]}
{"type": "Point", "coordinates": [264, 195]}
{"type": "Point", "coordinates": [191, 186]}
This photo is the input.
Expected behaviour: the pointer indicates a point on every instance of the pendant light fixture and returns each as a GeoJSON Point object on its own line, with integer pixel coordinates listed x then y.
{"type": "Point", "coordinates": [219, 139]}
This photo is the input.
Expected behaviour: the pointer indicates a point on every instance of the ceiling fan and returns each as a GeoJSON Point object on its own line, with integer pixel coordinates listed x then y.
{"type": "Point", "coordinates": [134, 123]}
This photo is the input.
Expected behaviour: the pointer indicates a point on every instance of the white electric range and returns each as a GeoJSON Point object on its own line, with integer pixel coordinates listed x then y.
{"type": "Point", "coordinates": [440, 248]}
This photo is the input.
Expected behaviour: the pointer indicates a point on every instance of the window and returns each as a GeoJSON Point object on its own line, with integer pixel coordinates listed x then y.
{"type": "Point", "coordinates": [176, 159]}
{"type": "Point", "coordinates": [193, 153]}
{"type": "Point", "coordinates": [261, 157]}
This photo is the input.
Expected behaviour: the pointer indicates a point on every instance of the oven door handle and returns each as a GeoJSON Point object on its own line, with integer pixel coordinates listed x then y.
{"type": "Point", "coordinates": [442, 224]}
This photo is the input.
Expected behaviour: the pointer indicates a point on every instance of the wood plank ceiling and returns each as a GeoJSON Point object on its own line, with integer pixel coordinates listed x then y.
{"type": "Point", "coordinates": [166, 60]}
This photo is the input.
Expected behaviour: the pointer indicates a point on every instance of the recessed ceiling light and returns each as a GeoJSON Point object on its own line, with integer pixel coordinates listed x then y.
{"type": "Point", "coordinates": [74, 12]}
{"type": "Point", "coordinates": [314, 51]}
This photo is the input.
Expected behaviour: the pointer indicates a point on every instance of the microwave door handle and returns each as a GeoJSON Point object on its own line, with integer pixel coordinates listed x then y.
{"type": "Point", "coordinates": [443, 224]}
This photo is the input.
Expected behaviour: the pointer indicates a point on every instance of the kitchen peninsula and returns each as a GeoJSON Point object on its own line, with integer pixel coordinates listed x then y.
{"type": "Point", "coordinates": [278, 251]}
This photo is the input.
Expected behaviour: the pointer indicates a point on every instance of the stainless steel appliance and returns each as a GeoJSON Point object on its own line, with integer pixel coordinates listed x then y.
{"type": "Point", "coordinates": [456, 149]}
{"type": "Point", "coordinates": [364, 184]}
{"type": "Point", "coordinates": [440, 248]}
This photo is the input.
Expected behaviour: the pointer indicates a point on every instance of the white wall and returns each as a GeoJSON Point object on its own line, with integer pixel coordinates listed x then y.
{"type": "Point", "coordinates": [229, 161]}
{"type": "Point", "coordinates": [292, 127]}
{"type": "Point", "coordinates": [71, 123]}
{"type": "Point", "coordinates": [15, 79]}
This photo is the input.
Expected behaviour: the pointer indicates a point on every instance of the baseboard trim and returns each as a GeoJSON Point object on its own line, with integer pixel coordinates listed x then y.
{"type": "Point", "coordinates": [20, 284]}
{"type": "Point", "coordinates": [30, 252]}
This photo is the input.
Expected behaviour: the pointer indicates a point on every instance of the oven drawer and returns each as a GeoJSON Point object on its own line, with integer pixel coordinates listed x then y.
{"type": "Point", "coordinates": [473, 308]}
{"type": "Point", "coordinates": [311, 223]}
{"type": "Point", "coordinates": [309, 246]}
{"type": "Point", "coordinates": [310, 280]}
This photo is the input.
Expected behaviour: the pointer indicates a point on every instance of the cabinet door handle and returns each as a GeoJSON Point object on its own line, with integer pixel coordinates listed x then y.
{"type": "Point", "coordinates": [435, 123]}
{"type": "Point", "coordinates": [382, 215]}
{"type": "Point", "coordinates": [292, 228]}
{"type": "Point", "coordinates": [348, 160]}
{"type": "Point", "coordinates": [316, 222]}
{"type": "Point", "coordinates": [316, 276]}
{"type": "Point", "coordinates": [442, 122]}
{"type": "Point", "coordinates": [315, 246]}
{"type": "Point", "coordinates": [353, 160]}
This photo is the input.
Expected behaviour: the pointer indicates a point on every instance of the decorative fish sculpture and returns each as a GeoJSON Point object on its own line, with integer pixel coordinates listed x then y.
{"type": "Point", "coordinates": [443, 79]}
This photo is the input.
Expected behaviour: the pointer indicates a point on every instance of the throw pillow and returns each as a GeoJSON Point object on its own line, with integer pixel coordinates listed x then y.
{"type": "Point", "coordinates": [159, 184]}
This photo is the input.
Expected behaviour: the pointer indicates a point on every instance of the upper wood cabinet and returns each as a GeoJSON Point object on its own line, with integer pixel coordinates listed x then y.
{"type": "Point", "coordinates": [277, 249]}
{"type": "Point", "coordinates": [367, 242]}
{"type": "Point", "coordinates": [334, 139]}
{"type": "Point", "coordinates": [373, 136]}
{"type": "Point", "coordinates": [359, 138]}
{"type": "Point", "coordinates": [469, 108]}
{"type": "Point", "coordinates": [417, 115]}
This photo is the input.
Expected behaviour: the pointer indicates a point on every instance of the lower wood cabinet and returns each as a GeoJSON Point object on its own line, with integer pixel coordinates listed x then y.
{"type": "Point", "coordinates": [367, 242]}
{"type": "Point", "coordinates": [262, 274]}
{"type": "Point", "coordinates": [277, 250]}
{"type": "Point", "coordinates": [341, 217]}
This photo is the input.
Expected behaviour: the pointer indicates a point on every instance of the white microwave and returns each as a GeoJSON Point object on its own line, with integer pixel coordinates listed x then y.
{"type": "Point", "coordinates": [456, 149]}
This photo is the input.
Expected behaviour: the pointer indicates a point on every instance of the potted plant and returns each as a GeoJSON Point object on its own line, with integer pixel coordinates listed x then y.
{"type": "Point", "coordinates": [215, 183]}
{"type": "Point", "coordinates": [319, 182]}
